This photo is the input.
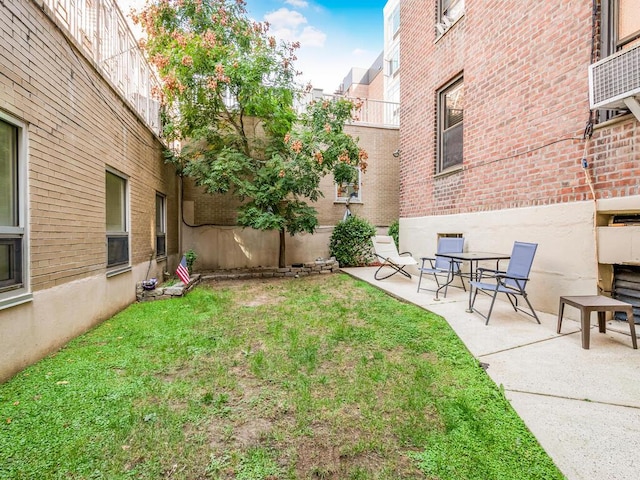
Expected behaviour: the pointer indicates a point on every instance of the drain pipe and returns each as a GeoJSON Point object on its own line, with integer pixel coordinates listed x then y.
{"type": "Point", "coordinates": [588, 133]}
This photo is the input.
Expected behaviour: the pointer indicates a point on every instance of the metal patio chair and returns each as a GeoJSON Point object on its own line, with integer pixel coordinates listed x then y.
{"type": "Point", "coordinates": [513, 282]}
{"type": "Point", "coordinates": [386, 251]}
{"type": "Point", "coordinates": [443, 267]}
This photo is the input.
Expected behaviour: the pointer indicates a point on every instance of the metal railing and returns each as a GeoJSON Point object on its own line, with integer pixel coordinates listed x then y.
{"type": "Point", "coordinates": [100, 30]}
{"type": "Point", "coordinates": [377, 112]}
{"type": "Point", "coordinates": [371, 112]}
{"type": "Point", "coordinates": [102, 33]}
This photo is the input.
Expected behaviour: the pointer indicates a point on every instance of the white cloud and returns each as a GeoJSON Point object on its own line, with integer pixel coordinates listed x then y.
{"type": "Point", "coordinates": [297, 3]}
{"type": "Point", "coordinates": [284, 18]}
{"type": "Point", "coordinates": [358, 52]}
{"type": "Point", "coordinates": [291, 26]}
{"type": "Point", "coordinates": [312, 37]}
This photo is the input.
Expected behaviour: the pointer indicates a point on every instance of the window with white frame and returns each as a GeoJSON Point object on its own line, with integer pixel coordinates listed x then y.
{"type": "Point", "coordinates": [449, 11]}
{"type": "Point", "coordinates": [393, 62]}
{"type": "Point", "coordinates": [349, 191]}
{"type": "Point", "coordinates": [450, 116]}
{"type": "Point", "coordinates": [117, 222]}
{"type": "Point", "coordinates": [13, 238]}
{"type": "Point", "coordinates": [394, 21]}
{"type": "Point", "coordinates": [161, 225]}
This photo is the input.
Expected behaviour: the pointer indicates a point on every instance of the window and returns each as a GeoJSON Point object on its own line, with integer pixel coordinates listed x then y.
{"type": "Point", "coordinates": [117, 222]}
{"type": "Point", "coordinates": [13, 239]}
{"type": "Point", "coordinates": [450, 11]}
{"type": "Point", "coordinates": [394, 21]}
{"type": "Point", "coordinates": [620, 25]}
{"type": "Point", "coordinates": [620, 29]}
{"type": "Point", "coordinates": [161, 225]}
{"type": "Point", "coordinates": [450, 115]}
{"type": "Point", "coordinates": [393, 63]}
{"type": "Point", "coordinates": [349, 191]}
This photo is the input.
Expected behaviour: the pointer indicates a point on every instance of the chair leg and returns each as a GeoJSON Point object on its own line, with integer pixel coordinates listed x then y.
{"type": "Point", "coordinates": [419, 281]}
{"type": "Point", "coordinates": [377, 275]}
{"type": "Point", "coordinates": [512, 300]}
{"type": "Point", "coordinates": [473, 299]}
{"type": "Point", "coordinates": [524, 295]}
{"type": "Point", "coordinates": [395, 270]}
{"type": "Point", "coordinates": [493, 301]}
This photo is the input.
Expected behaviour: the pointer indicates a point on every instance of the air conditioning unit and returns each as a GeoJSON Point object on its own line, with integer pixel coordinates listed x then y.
{"type": "Point", "coordinates": [614, 81]}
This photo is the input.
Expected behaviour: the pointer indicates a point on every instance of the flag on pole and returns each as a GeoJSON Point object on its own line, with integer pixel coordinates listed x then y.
{"type": "Point", "coordinates": [182, 271]}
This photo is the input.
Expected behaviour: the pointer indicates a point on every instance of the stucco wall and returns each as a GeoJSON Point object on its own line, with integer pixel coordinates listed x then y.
{"type": "Point", "coordinates": [565, 259]}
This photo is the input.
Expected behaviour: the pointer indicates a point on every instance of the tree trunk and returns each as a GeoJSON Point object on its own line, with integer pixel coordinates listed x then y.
{"type": "Point", "coordinates": [281, 257]}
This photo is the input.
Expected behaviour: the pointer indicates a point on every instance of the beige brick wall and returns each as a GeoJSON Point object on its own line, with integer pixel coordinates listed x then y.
{"type": "Point", "coordinates": [380, 187]}
{"type": "Point", "coordinates": [77, 126]}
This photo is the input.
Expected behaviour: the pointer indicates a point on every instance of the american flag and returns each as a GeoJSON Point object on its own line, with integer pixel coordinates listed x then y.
{"type": "Point", "coordinates": [182, 271]}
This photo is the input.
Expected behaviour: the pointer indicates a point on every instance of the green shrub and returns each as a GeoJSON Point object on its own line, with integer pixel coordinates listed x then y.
{"type": "Point", "coordinates": [191, 257]}
{"type": "Point", "coordinates": [351, 242]}
{"type": "Point", "coordinates": [394, 231]}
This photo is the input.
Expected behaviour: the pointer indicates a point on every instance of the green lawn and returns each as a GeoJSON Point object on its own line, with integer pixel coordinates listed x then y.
{"type": "Point", "coordinates": [313, 378]}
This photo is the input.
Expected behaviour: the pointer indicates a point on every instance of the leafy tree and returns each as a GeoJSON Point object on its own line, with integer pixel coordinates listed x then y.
{"type": "Point", "coordinates": [228, 90]}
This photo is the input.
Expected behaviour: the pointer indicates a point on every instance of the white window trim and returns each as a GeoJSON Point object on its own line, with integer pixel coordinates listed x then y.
{"type": "Point", "coordinates": [22, 294]}
{"type": "Point", "coordinates": [444, 25]}
{"type": "Point", "coordinates": [118, 269]}
{"type": "Point", "coordinates": [358, 198]}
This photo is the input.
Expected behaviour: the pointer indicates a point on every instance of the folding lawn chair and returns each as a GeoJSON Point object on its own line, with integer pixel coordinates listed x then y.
{"type": "Point", "coordinates": [441, 266]}
{"type": "Point", "coordinates": [512, 282]}
{"type": "Point", "coordinates": [386, 251]}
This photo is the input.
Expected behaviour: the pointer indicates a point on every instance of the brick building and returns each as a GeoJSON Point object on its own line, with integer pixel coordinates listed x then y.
{"type": "Point", "coordinates": [87, 205]}
{"type": "Point", "coordinates": [210, 220]}
{"type": "Point", "coordinates": [515, 76]}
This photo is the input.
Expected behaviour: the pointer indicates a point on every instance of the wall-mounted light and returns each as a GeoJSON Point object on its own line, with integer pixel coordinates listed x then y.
{"type": "Point", "coordinates": [396, 153]}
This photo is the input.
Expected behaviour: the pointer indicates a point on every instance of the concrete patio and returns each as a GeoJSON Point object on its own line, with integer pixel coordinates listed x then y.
{"type": "Point", "coordinates": [583, 406]}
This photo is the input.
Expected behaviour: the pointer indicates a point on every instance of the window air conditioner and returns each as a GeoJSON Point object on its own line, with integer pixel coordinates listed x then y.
{"type": "Point", "coordinates": [614, 81]}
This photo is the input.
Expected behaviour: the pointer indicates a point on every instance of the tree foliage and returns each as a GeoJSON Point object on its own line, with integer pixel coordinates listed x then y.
{"type": "Point", "coordinates": [229, 91]}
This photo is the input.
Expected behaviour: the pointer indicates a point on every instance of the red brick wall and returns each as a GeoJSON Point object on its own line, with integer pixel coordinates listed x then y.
{"type": "Point", "coordinates": [526, 105]}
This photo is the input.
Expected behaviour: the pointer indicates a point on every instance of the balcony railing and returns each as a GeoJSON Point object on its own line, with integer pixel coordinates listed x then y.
{"type": "Point", "coordinates": [377, 112]}
{"type": "Point", "coordinates": [371, 112]}
{"type": "Point", "coordinates": [100, 30]}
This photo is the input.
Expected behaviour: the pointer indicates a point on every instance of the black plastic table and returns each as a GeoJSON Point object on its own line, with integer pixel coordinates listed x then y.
{"type": "Point", "coordinates": [474, 258]}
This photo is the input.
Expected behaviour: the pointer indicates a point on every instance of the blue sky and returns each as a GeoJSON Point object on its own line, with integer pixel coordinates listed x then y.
{"type": "Point", "coordinates": [334, 35]}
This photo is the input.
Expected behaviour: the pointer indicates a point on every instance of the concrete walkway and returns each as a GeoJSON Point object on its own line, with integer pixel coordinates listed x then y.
{"type": "Point", "coordinates": [583, 406]}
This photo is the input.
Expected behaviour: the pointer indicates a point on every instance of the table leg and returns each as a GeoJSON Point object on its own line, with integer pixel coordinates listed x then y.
{"type": "Point", "coordinates": [450, 277]}
{"type": "Point", "coordinates": [560, 313]}
{"type": "Point", "coordinates": [471, 278]}
{"type": "Point", "coordinates": [602, 326]}
{"type": "Point", "coordinates": [585, 321]}
{"type": "Point", "coordinates": [632, 327]}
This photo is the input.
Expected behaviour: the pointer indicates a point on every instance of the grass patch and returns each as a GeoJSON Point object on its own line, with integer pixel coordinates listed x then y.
{"type": "Point", "coordinates": [314, 378]}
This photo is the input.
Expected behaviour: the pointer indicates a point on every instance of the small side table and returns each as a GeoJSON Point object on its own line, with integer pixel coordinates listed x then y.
{"type": "Point", "coordinates": [601, 304]}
